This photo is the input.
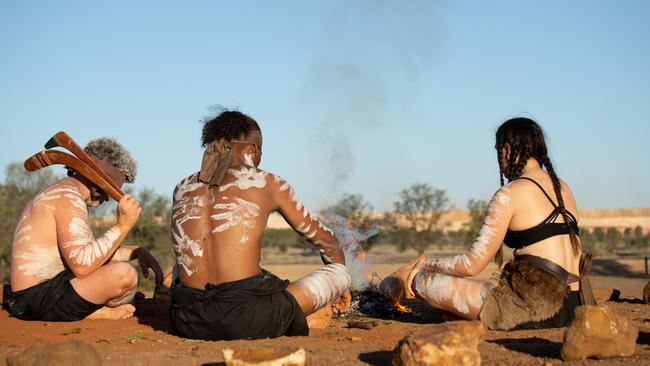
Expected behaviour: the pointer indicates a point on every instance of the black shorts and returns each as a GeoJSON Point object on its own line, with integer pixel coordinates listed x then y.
{"type": "Point", "coordinates": [53, 300]}
{"type": "Point", "coordinates": [252, 308]}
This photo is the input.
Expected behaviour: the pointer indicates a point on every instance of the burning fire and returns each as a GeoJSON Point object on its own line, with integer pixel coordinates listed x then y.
{"type": "Point", "coordinates": [401, 308]}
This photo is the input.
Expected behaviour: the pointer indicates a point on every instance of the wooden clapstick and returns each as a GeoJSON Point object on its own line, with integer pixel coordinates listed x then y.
{"type": "Point", "coordinates": [55, 157]}
{"type": "Point", "coordinates": [62, 139]}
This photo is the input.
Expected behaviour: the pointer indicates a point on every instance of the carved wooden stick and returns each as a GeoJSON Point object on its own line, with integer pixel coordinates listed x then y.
{"type": "Point", "coordinates": [62, 139]}
{"type": "Point", "coordinates": [54, 157]}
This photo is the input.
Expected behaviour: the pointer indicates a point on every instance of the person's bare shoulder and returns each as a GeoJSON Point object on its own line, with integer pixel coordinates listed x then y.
{"type": "Point", "coordinates": [569, 198]}
{"type": "Point", "coordinates": [187, 185]}
{"type": "Point", "coordinates": [61, 193]}
{"type": "Point", "coordinates": [275, 181]}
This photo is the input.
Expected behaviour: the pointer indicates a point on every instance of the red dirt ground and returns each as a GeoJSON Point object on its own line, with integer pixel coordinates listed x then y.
{"type": "Point", "coordinates": [146, 339]}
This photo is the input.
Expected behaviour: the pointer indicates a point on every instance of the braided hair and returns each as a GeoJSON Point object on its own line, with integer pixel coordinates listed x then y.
{"type": "Point", "coordinates": [227, 124]}
{"type": "Point", "coordinates": [526, 140]}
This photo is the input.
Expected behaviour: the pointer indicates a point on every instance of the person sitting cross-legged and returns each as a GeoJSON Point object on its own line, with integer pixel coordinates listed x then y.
{"type": "Point", "coordinates": [536, 215]}
{"type": "Point", "coordinates": [218, 217]}
{"type": "Point", "coordinates": [59, 270]}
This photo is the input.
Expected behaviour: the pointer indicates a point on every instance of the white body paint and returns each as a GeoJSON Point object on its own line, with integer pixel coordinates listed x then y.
{"type": "Point", "coordinates": [87, 250]}
{"type": "Point", "coordinates": [186, 209]}
{"type": "Point", "coordinates": [240, 212]}
{"type": "Point", "coordinates": [326, 284]}
{"type": "Point", "coordinates": [246, 178]}
{"type": "Point", "coordinates": [463, 262]}
{"type": "Point", "coordinates": [41, 262]}
{"type": "Point", "coordinates": [248, 160]}
{"type": "Point", "coordinates": [440, 289]}
{"type": "Point", "coordinates": [44, 261]}
{"type": "Point", "coordinates": [294, 198]}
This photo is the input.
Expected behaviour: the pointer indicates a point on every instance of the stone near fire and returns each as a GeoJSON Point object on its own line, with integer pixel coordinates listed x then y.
{"type": "Point", "coordinates": [453, 343]}
{"type": "Point", "coordinates": [278, 356]}
{"type": "Point", "coordinates": [599, 331]}
{"type": "Point", "coordinates": [62, 354]}
{"type": "Point", "coordinates": [646, 293]}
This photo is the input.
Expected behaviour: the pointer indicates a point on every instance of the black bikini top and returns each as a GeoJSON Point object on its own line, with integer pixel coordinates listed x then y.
{"type": "Point", "coordinates": [543, 230]}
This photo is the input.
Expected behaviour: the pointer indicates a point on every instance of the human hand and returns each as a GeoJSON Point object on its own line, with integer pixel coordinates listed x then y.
{"type": "Point", "coordinates": [128, 211]}
{"type": "Point", "coordinates": [146, 261]}
{"type": "Point", "coordinates": [342, 304]}
{"type": "Point", "coordinates": [409, 280]}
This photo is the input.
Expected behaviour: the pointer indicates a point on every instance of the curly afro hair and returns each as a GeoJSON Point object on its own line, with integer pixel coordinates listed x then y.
{"type": "Point", "coordinates": [228, 125]}
{"type": "Point", "coordinates": [106, 148]}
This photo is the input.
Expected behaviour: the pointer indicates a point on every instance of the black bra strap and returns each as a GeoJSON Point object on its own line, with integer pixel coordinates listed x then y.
{"type": "Point", "coordinates": [540, 187]}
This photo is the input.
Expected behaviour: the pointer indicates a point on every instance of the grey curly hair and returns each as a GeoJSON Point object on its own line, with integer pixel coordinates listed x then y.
{"type": "Point", "coordinates": [106, 148]}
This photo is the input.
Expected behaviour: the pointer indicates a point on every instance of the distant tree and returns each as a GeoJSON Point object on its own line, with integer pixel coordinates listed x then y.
{"type": "Point", "coordinates": [613, 237]}
{"type": "Point", "coordinates": [637, 237]}
{"type": "Point", "coordinates": [627, 236]}
{"type": "Point", "coordinates": [415, 216]}
{"type": "Point", "coordinates": [19, 187]}
{"type": "Point", "coordinates": [283, 239]}
{"type": "Point", "coordinates": [477, 211]}
{"type": "Point", "coordinates": [598, 234]}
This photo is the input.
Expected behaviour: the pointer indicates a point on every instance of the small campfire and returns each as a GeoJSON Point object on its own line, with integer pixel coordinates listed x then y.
{"type": "Point", "coordinates": [371, 302]}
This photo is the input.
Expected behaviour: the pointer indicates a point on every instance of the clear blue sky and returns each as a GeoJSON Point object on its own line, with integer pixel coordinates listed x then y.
{"type": "Point", "coordinates": [352, 96]}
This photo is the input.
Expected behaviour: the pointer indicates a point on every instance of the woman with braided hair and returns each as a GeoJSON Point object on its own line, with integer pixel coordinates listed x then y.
{"type": "Point", "coordinates": [535, 214]}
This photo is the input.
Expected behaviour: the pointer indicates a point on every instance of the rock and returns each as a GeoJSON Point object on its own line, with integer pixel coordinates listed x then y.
{"type": "Point", "coordinates": [599, 331]}
{"type": "Point", "coordinates": [646, 293]}
{"type": "Point", "coordinates": [61, 354]}
{"type": "Point", "coordinates": [361, 324]}
{"type": "Point", "coordinates": [279, 356]}
{"type": "Point", "coordinates": [452, 343]}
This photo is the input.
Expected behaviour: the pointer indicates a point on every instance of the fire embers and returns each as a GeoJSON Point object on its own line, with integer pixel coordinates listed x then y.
{"type": "Point", "coordinates": [374, 303]}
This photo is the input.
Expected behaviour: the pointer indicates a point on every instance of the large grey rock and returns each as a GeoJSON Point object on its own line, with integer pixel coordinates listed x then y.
{"type": "Point", "coordinates": [279, 356]}
{"type": "Point", "coordinates": [62, 354]}
{"type": "Point", "coordinates": [599, 331]}
{"type": "Point", "coordinates": [453, 343]}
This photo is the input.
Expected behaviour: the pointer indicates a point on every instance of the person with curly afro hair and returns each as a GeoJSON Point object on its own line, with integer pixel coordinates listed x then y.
{"type": "Point", "coordinates": [220, 291]}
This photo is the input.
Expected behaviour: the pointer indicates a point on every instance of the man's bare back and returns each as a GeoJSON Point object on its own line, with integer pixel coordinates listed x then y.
{"type": "Point", "coordinates": [217, 232]}
{"type": "Point", "coordinates": [218, 218]}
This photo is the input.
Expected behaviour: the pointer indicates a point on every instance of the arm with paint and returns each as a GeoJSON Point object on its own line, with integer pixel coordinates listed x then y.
{"type": "Point", "coordinates": [81, 251]}
{"type": "Point", "coordinates": [302, 221]}
{"type": "Point", "coordinates": [484, 248]}
{"type": "Point", "coordinates": [187, 224]}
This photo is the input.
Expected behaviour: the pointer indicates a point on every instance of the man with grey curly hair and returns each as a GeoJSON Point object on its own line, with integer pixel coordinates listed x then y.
{"type": "Point", "coordinates": [59, 270]}
{"type": "Point", "coordinates": [106, 148]}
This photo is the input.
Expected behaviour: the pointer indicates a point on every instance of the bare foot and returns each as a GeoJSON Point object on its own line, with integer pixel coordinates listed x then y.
{"type": "Point", "coordinates": [120, 312]}
{"type": "Point", "coordinates": [320, 319]}
{"type": "Point", "coordinates": [394, 285]}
